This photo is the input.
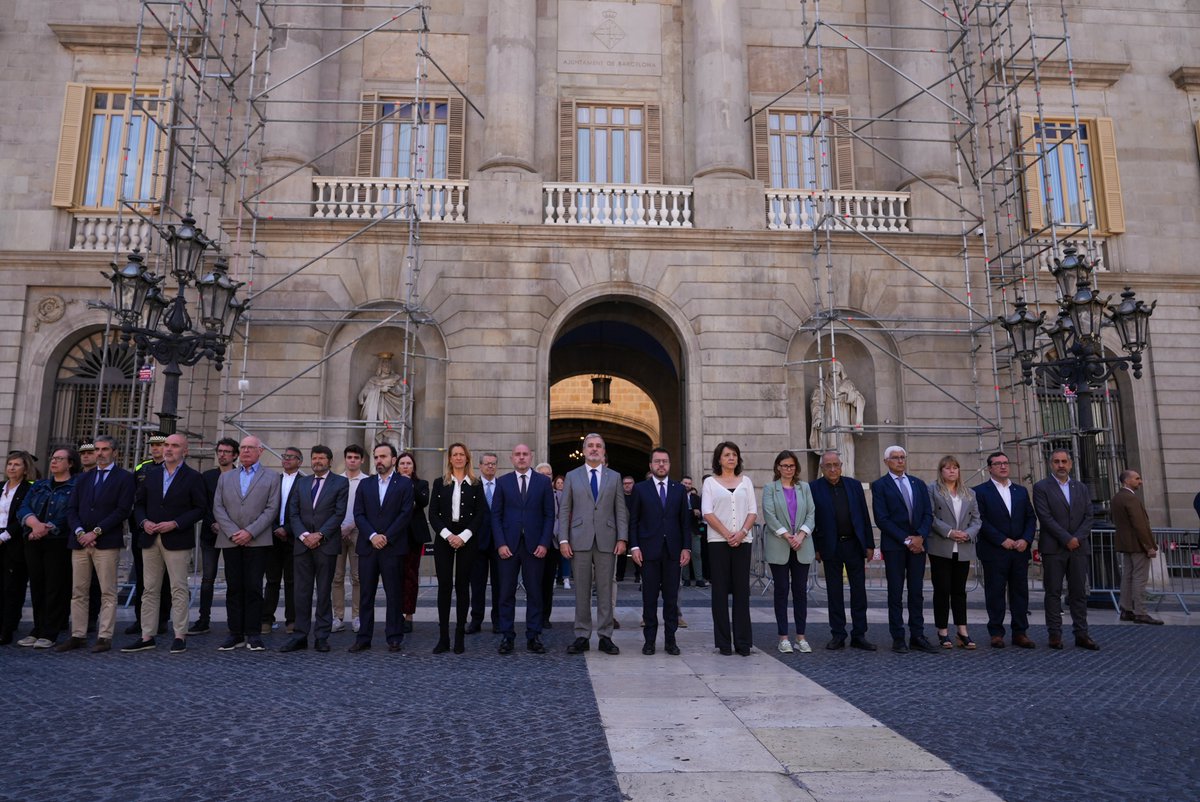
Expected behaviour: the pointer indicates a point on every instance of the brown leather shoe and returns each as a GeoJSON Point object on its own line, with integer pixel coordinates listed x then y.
{"type": "Point", "coordinates": [1024, 641]}
{"type": "Point", "coordinates": [1126, 615]}
{"type": "Point", "coordinates": [1146, 618]}
{"type": "Point", "coordinates": [1055, 642]}
{"type": "Point", "coordinates": [998, 641]}
{"type": "Point", "coordinates": [102, 645]}
{"type": "Point", "coordinates": [70, 644]}
{"type": "Point", "coordinates": [1085, 642]}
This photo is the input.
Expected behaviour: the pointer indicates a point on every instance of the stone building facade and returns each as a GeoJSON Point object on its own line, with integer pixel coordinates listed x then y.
{"type": "Point", "coordinates": [600, 201]}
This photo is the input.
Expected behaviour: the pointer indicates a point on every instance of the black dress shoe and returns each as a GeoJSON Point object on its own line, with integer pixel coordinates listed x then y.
{"type": "Point", "coordinates": [547, 625]}
{"type": "Point", "coordinates": [395, 647]}
{"type": "Point", "coordinates": [1085, 642]}
{"type": "Point", "coordinates": [862, 643]}
{"type": "Point", "coordinates": [671, 649]}
{"type": "Point", "coordinates": [1127, 615]}
{"type": "Point", "coordinates": [725, 650]}
{"type": "Point", "coordinates": [899, 646]}
{"type": "Point", "coordinates": [322, 645]}
{"type": "Point", "coordinates": [199, 628]}
{"type": "Point", "coordinates": [1146, 618]}
{"type": "Point", "coordinates": [836, 643]}
{"type": "Point", "coordinates": [579, 646]}
{"type": "Point", "coordinates": [359, 646]}
{"type": "Point", "coordinates": [140, 646]}
{"type": "Point", "coordinates": [231, 643]}
{"type": "Point", "coordinates": [921, 644]}
{"type": "Point", "coordinates": [294, 645]}
{"type": "Point", "coordinates": [534, 645]}
{"type": "Point", "coordinates": [443, 645]}
{"type": "Point", "coordinates": [459, 645]}
{"type": "Point", "coordinates": [648, 649]}
{"type": "Point", "coordinates": [607, 646]}
{"type": "Point", "coordinates": [407, 626]}
{"type": "Point", "coordinates": [700, 583]}
{"type": "Point", "coordinates": [473, 627]}
{"type": "Point", "coordinates": [744, 651]}
{"type": "Point", "coordinates": [506, 646]}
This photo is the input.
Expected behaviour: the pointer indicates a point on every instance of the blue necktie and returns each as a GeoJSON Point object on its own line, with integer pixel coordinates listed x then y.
{"type": "Point", "coordinates": [662, 493]}
{"type": "Point", "coordinates": [316, 488]}
{"type": "Point", "coordinates": [595, 487]}
{"type": "Point", "coordinates": [488, 488]}
{"type": "Point", "coordinates": [101, 475]}
{"type": "Point", "coordinates": [523, 488]}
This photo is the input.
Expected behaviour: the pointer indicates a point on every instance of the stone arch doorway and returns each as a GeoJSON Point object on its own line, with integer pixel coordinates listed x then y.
{"type": "Point", "coordinates": [632, 343]}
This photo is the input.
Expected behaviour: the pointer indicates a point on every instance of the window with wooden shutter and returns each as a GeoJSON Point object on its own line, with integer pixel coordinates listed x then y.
{"type": "Point", "coordinates": [1076, 182]}
{"type": "Point", "coordinates": [368, 113]}
{"type": "Point", "coordinates": [601, 143]}
{"type": "Point", "coordinates": [113, 146]}
{"type": "Point", "coordinates": [412, 138]}
{"type": "Point", "coordinates": [796, 149]}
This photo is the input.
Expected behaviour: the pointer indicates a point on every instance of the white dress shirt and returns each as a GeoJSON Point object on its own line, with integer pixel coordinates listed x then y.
{"type": "Point", "coordinates": [731, 509]}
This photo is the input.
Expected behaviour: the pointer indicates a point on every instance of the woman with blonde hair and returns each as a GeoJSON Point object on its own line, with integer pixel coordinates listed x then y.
{"type": "Point", "coordinates": [456, 512]}
{"type": "Point", "coordinates": [951, 547]}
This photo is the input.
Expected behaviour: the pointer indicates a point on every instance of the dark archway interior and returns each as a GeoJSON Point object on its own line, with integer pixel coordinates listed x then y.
{"type": "Point", "coordinates": [631, 341]}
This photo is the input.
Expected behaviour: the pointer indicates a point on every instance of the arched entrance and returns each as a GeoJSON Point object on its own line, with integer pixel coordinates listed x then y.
{"type": "Point", "coordinates": [637, 348]}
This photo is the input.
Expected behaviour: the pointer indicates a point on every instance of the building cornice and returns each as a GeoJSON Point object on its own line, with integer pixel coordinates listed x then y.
{"type": "Point", "coordinates": [1087, 74]}
{"type": "Point", "coordinates": [1187, 78]}
{"type": "Point", "coordinates": [93, 37]}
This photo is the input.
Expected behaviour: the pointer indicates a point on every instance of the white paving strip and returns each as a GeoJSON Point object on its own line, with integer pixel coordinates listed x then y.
{"type": "Point", "coordinates": [706, 726]}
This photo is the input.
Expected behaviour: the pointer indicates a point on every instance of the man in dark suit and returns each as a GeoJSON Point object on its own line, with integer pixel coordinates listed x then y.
{"type": "Point", "coordinates": [904, 516]}
{"type": "Point", "coordinates": [694, 570]}
{"type": "Point", "coordinates": [1005, 546]}
{"type": "Point", "coordinates": [660, 540]}
{"type": "Point", "coordinates": [1134, 540]}
{"type": "Point", "coordinates": [1064, 510]}
{"type": "Point", "coordinates": [96, 513]}
{"type": "Point", "coordinates": [487, 565]}
{"type": "Point", "coordinates": [226, 452]}
{"type": "Point", "coordinates": [553, 557]}
{"type": "Point", "coordinates": [522, 531]}
{"type": "Point", "coordinates": [318, 507]}
{"type": "Point", "coordinates": [156, 444]}
{"type": "Point", "coordinates": [383, 507]}
{"type": "Point", "coordinates": [844, 542]}
{"type": "Point", "coordinates": [169, 502]}
{"type": "Point", "coordinates": [280, 564]}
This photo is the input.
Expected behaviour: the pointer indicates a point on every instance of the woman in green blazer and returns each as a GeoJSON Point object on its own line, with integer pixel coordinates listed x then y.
{"type": "Point", "coordinates": [788, 524]}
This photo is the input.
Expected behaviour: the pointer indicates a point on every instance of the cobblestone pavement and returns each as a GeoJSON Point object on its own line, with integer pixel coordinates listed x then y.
{"type": "Point", "coordinates": [1120, 724]}
{"type": "Point", "coordinates": [303, 726]}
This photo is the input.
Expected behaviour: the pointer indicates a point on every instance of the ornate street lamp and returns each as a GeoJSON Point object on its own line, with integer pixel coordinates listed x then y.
{"type": "Point", "coordinates": [161, 327]}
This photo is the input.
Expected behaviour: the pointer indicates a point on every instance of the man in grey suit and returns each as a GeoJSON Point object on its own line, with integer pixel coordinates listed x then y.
{"type": "Point", "coordinates": [316, 509]}
{"type": "Point", "coordinates": [1064, 509]}
{"type": "Point", "coordinates": [246, 508]}
{"type": "Point", "coordinates": [593, 530]}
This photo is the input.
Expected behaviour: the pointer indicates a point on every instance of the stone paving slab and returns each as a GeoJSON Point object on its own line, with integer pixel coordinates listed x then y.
{"type": "Point", "coordinates": [734, 786]}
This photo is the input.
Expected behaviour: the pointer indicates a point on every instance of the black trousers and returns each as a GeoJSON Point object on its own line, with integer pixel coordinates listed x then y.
{"type": "Point", "coordinates": [1073, 567]}
{"type": "Point", "coordinates": [48, 562]}
{"type": "Point", "coordinates": [530, 570]}
{"type": "Point", "coordinates": [729, 573]}
{"type": "Point", "coordinates": [549, 574]}
{"type": "Point", "coordinates": [949, 576]}
{"type": "Point", "coordinates": [454, 569]}
{"type": "Point", "coordinates": [280, 569]}
{"type": "Point", "coordinates": [905, 570]}
{"type": "Point", "coordinates": [791, 577]}
{"type": "Point", "coordinates": [851, 558]}
{"type": "Point", "coordinates": [486, 568]}
{"type": "Point", "coordinates": [139, 578]}
{"type": "Point", "coordinates": [1006, 579]}
{"type": "Point", "coordinates": [373, 567]}
{"type": "Point", "coordinates": [661, 576]}
{"type": "Point", "coordinates": [244, 569]}
{"type": "Point", "coordinates": [210, 558]}
{"type": "Point", "coordinates": [314, 575]}
{"type": "Point", "coordinates": [13, 580]}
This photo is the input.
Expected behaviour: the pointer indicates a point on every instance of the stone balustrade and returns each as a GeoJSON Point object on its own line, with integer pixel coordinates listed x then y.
{"type": "Point", "coordinates": [801, 210]}
{"type": "Point", "coordinates": [101, 232]}
{"type": "Point", "coordinates": [639, 205]}
{"type": "Point", "coordinates": [353, 198]}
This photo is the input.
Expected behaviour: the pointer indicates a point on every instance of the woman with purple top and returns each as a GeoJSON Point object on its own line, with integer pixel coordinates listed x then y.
{"type": "Point", "coordinates": [788, 524]}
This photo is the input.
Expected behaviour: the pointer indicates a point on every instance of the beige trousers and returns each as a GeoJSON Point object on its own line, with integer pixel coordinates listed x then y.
{"type": "Point", "coordinates": [339, 579]}
{"type": "Point", "coordinates": [176, 563]}
{"type": "Point", "coordinates": [105, 561]}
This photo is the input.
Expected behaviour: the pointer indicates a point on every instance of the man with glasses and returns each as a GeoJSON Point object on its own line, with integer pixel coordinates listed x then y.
{"type": "Point", "coordinates": [280, 558]}
{"type": "Point", "coordinates": [226, 452]}
{"type": "Point", "coordinates": [1004, 548]}
{"type": "Point", "coordinates": [844, 542]}
{"type": "Point", "coordinates": [99, 507]}
{"type": "Point", "coordinates": [246, 508]}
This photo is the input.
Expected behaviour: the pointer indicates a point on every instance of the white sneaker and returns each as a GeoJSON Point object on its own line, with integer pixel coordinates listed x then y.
{"type": "Point", "coordinates": [356, 625]}
{"type": "Point", "coordinates": [43, 643]}
{"type": "Point", "coordinates": [803, 646]}
{"type": "Point", "coordinates": [785, 647]}
{"type": "Point", "coordinates": [338, 626]}
{"type": "Point", "coordinates": [567, 583]}
{"type": "Point", "coordinates": [28, 640]}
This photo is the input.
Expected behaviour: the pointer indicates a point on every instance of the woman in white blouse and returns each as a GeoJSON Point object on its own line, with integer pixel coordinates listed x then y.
{"type": "Point", "coordinates": [951, 547]}
{"type": "Point", "coordinates": [728, 506]}
{"type": "Point", "coordinates": [456, 510]}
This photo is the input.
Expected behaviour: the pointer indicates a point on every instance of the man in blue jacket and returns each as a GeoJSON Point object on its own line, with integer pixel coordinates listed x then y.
{"type": "Point", "coordinates": [660, 540]}
{"type": "Point", "coordinates": [844, 541]}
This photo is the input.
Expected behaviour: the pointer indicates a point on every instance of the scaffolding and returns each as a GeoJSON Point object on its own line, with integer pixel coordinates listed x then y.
{"type": "Point", "coordinates": [962, 72]}
{"type": "Point", "coordinates": [226, 105]}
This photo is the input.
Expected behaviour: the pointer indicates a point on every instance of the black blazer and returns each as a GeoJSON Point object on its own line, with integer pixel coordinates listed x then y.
{"type": "Point", "coordinates": [825, 534]}
{"type": "Point", "coordinates": [472, 509]}
{"type": "Point", "coordinates": [184, 503]}
{"type": "Point", "coordinates": [389, 519]}
{"type": "Point", "coordinates": [326, 518]}
{"type": "Point", "coordinates": [16, 526]}
{"type": "Point", "coordinates": [999, 525]}
{"type": "Point", "coordinates": [659, 533]}
{"type": "Point", "coordinates": [108, 509]}
{"type": "Point", "coordinates": [418, 526]}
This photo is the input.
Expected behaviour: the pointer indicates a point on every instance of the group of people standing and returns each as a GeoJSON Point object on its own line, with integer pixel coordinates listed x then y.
{"type": "Point", "coordinates": [306, 531]}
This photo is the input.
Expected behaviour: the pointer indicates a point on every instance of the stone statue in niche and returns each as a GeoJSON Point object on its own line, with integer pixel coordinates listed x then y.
{"type": "Point", "coordinates": [837, 416]}
{"type": "Point", "coordinates": [382, 403]}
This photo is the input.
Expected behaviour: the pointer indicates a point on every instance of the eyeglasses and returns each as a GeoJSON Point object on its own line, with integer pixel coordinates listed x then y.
{"type": "Point", "coordinates": [997, 464]}
{"type": "Point", "coordinates": [57, 456]}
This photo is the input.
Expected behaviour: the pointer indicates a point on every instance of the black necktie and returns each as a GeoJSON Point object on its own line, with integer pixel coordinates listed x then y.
{"type": "Point", "coordinates": [662, 493]}
{"type": "Point", "coordinates": [101, 475]}
{"type": "Point", "coordinates": [522, 487]}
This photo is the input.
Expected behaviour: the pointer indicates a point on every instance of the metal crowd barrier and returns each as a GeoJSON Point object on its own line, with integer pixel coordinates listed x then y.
{"type": "Point", "coordinates": [1174, 573]}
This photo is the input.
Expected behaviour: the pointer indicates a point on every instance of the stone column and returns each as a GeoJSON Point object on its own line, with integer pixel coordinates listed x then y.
{"type": "Point", "coordinates": [726, 196]}
{"type": "Point", "coordinates": [297, 44]}
{"type": "Point", "coordinates": [506, 188]}
{"type": "Point", "coordinates": [924, 150]}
